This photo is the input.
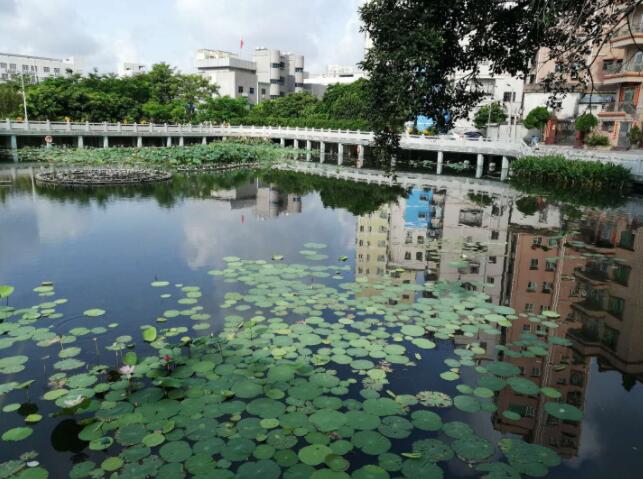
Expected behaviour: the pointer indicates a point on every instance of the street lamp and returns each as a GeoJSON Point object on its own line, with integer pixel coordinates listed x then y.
{"type": "Point", "coordinates": [24, 97]}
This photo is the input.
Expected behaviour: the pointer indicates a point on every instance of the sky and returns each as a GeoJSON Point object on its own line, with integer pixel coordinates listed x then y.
{"type": "Point", "coordinates": [103, 34]}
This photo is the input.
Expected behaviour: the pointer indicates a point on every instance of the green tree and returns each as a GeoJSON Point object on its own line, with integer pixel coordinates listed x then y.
{"type": "Point", "coordinates": [345, 101]}
{"type": "Point", "coordinates": [417, 49]}
{"type": "Point", "coordinates": [586, 122]}
{"type": "Point", "coordinates": [223, 109]}
{"type": "Point", "coordinates": [492, 113]}
{"type": "Point", "coordinates": [10, 100]}
{"type": "Point", "coordinates": [537, 118]}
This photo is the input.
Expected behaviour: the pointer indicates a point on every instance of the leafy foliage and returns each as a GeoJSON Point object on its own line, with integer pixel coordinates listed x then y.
{"type": "Point", "coordinates": [537, 118]}
{"type": "Point", "coordinates": [597, 139]}
{"type": "Point", "coordinates": [417, 49]}
{"type": "Point", "coordinates": [218, 152]}
{"type": "Point", "coordinates": [635, 136]}
{"type": "Point", "coordinates": [586, 123]}
{"type": "Point", "coordinates": [10, 100]}
{"type": "Point", "coordinates": [558, 171]}
{"type": "Point", "coordinates": [161, 95]}
{"type": "Point", "coordinates": [492, 113]}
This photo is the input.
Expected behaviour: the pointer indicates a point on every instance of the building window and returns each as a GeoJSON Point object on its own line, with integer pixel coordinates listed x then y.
{"type": "Point", "coordinates": [531, 287]}
{"type": "Point", "coordinates": [407, 255]}
{"type": "Point", "coordinates": [299, 70]}
{"type": "Point", "coordinates": [526, 328]}
{"type": "Point", "coordinates": [281, 80]}
{"type": "Point", "coordinates": [275, 65]}
{"type": "Point", "coordinates": [263, 91]}
{"type": "Point", "coordinates": [616, 306]}
{"type": "Point", "coordinates": [418, 256]}
{"type": "Point", "coordinates": [491, 280]}
{"type": "Point", "coordinates": [46, 69]}
{"type": "Point", "coordinates": [3, 65]}
{"type": "Point", "coordinates": [299, 85]}
{"type": "Point", "coordinates": [533, 264]}
{"type": "Point", "coordinates": [495, 235]}
{"type": "Point", "coordinates": [381, 243]}
{"type": "Point", "coordinates": [492, 259]}
{"type": "Point", "coordinates": [550, 265]}
{"type": "Point", "coordinates": [240, 89]}
{"type": "Point", "coordinates": [274, 81]}
{"type": "Point", "coordinates": [607, 126]}
{"type": "Point", "coordinates": [25, 68]}
{"type": "Point", "coordinates": [56, 71]}
{"type": "Point", "coordinates": [509, 96]}
{"type": "Point", "coordinates": [252, 91]}
{"type": "Point", "coordinates": [12, 66]}
{"type": "Point", "coordinates": [537, 240]}
{"type": "Point", "coordinates": [5, 76]}
{"type": "Point", "coordinates": [529, 308]}
{"type": "Point", "coordinates": [381, 258]}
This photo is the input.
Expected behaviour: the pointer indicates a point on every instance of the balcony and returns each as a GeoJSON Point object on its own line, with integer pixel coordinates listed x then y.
{"type": "Point", "coordinates": [621, 110]}
{"type": "Point", "coordinates": [624, 72]}
{"type": "Point", "coordinates": [624, 37]}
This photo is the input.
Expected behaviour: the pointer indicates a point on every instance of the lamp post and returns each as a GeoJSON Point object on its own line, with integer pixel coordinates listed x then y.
{"type": "Point", "coordinates": [24, 97]}
{"type": "Point", "coordinates": [510, 108]}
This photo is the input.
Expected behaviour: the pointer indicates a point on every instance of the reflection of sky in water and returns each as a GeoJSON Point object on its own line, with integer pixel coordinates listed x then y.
{"type": "Point", "coordinates": [105, 255]}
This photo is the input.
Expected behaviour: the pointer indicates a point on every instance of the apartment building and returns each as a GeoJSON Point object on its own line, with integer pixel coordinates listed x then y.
{"type": "Point", "coordinates": [34, 68]}
{"type": "Point", "coordinates": [335, 74]}
{"type": "Point", "coordinates": [503, 88]}
{"type": "Point", "coordinates": [128, 69]}
{"type": "Point", "coordinates": [270, 74]}
{"type": "Point", "coordinates": [622, 72]}
{"type": "Point", "coordinates": [617, 72]}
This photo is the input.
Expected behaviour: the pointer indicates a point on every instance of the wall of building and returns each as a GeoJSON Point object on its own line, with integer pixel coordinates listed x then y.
{"type": "Point", "coordinates": [36, 68]}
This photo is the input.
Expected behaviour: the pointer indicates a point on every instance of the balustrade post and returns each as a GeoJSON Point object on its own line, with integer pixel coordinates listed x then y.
{"type": "Point", "coordinates": [504, 171]}
{"type": "Point", "coordinates": [118, 127]}
{"type": "Point", "coordinates": [86, 125]}
{"type": "Point", "coordinates": [48, 125]}
{"type": "Point", "coordinates": [165, 127]}
{"type": "Point", "coordinates": [8, 123]}
{"type": "Point", "coordinates": [105, 126]}
{"type": "Point", "coordinates": [479, 165]}
{"type": "Point", "coordinates": [151, 127]}
{"type": "Point", "coordinates": [440, 162]}
{"type": "Point", "coordinates": [135, 127]}
{"type": "Point", "coordinates": [14, 147]}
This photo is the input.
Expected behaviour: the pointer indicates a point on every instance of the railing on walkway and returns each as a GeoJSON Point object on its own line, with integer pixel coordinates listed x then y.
{"type": "Point", "coordinates": [9, 127]}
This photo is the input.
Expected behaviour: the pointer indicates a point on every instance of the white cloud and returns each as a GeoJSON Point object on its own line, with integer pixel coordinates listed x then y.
{"type": "Point", "coordinates": [103, 34]}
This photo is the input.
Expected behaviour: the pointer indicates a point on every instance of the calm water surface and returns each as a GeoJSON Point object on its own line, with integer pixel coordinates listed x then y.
{"type": "Point", "coordinates": [103, 248]}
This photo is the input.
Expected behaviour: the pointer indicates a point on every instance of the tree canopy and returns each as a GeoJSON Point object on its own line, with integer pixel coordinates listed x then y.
{"type": "Point", "coordinates": [491, 113]}
{"type": "Point", "coordinates": [161, 95]}
{"type": "Point", "coordinates": [418, 46]}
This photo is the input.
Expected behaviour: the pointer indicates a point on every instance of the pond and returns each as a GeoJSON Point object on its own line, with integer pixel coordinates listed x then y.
{"type": "Point", "coordinates": [265, 324]}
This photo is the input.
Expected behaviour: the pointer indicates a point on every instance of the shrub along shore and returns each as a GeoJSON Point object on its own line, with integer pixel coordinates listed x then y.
{"type": "Point", "coordinates": [556, 170]}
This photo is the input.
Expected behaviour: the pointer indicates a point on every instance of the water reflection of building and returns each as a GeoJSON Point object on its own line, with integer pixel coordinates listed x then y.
{"type": "Point", "coordinates": [540, 277]}
{"type": "Point", "coordinates": [534, 257]}
{"type": "Point", "coordinates": [267, 202]}
{"type": "Point", "coordinates": [611, 285]}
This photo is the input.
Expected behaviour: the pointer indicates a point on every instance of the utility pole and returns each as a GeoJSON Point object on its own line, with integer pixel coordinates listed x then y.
{"type": "Point", "coordinates": [24, 97]}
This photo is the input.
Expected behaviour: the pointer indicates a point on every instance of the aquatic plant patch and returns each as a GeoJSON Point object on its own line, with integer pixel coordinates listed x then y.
{"type": "Point", "coordinates": [296, 380]}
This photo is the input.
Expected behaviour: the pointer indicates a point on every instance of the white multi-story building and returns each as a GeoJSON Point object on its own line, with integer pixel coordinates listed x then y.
{"type": "Point", "coordinates": [270, 74]}
{"type": "Point", "coordinates": [502, 88]}
{"type": "Point", "coordinates": [343, 74]}
{"type": "Point", "coordinates": [34, 68]}
{"type": "Point", "coordinates": [128, 69]}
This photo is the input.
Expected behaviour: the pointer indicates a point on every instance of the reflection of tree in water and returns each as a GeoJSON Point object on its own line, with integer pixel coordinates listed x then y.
{"type": "Point", "coordinates": [358, 198]}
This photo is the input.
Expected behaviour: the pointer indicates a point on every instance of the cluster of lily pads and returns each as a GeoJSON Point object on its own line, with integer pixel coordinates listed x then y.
{"type": "Point", "coordinates": [295, 381]}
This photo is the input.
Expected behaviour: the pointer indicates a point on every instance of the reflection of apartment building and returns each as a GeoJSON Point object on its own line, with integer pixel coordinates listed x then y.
{"type": "Point", "coordinates": [611, 283]}
{"type": "Point", "coordinates": [267, 202]}
{"type": "Point", "coordinates": [272, 203]}
{"type": "Point", "coordinates": [475, 230]}
{"type": "Point", "coordinates": [410, 220]}
{"type": "Point", "coordinates": [270, 74]}
{"type": "Point", "coordinates": [372, 243]}
{"type": "Point", "coordinates": [539, 278]}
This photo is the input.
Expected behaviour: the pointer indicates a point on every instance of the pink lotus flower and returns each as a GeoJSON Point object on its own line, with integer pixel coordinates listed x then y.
{"type": "Point", "coordinates": [127, 371]}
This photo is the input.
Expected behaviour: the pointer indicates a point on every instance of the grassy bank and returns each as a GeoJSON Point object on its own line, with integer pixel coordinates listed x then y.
{"type": "Point", "coordinates": [193, 155]}
{"type": "Point", "coordinates": [558, 172]}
